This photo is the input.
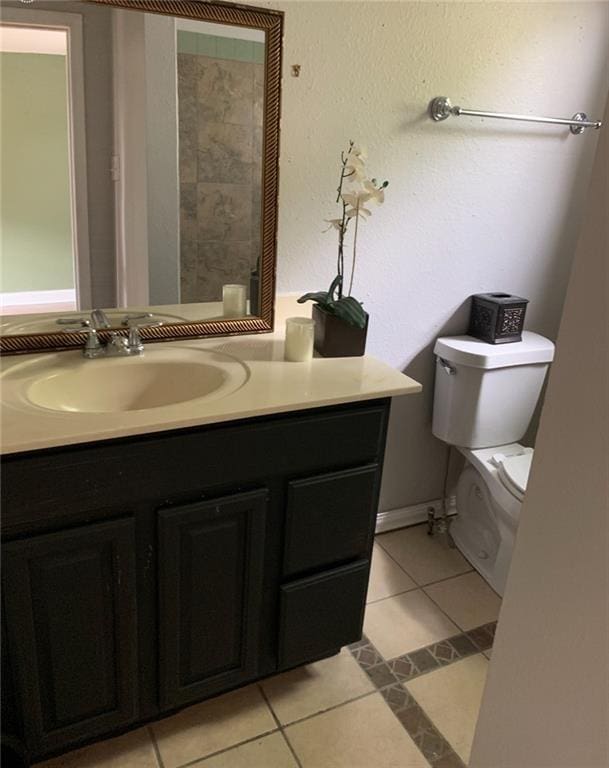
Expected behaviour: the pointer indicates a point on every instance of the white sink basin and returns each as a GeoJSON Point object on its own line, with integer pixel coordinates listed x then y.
{"type": "Point", "coordinates": [163, 376]}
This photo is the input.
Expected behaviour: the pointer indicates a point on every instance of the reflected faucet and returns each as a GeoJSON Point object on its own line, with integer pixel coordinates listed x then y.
{"type": "Point", "coordinates": [99, 319]}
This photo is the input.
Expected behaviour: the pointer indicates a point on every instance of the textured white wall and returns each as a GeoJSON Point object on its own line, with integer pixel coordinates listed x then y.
{"type": "Point", "coordinates": [473, 205]}
{"type": "Point", "coordinates": [546, 703]}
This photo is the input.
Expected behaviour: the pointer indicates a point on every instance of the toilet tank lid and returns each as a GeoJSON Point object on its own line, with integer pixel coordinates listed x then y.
{"type": "Point", "coordinates": [466, 350]}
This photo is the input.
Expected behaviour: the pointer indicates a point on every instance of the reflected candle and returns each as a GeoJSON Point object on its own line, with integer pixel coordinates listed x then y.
{"type": "Point", "coordinates": [298, 339]}
{"type": "Point", "coordinates": [233, 300]}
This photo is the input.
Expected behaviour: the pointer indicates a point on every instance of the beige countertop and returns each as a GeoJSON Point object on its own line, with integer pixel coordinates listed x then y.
{"type": "Point", "coordinates": [265, 384]}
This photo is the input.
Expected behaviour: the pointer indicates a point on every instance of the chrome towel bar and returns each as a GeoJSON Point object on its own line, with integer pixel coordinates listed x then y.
{"type": "Point", "coordinates": [440, 108]}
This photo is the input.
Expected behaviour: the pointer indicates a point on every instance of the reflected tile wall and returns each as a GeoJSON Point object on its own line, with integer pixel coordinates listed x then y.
{"type": "Point", "coordinates": [220, 129]}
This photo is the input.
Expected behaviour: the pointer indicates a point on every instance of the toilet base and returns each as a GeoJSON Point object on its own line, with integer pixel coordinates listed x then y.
{"type": "Point", "coordinates": [494, 576]}
{"type": "Point", "coordinates": [481, 532]}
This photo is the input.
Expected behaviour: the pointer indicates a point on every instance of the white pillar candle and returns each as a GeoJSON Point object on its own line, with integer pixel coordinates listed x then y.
{"type": "Point", "coordinates": [234, 300]}
{"type": "Point", "coordinates": [298, 339]}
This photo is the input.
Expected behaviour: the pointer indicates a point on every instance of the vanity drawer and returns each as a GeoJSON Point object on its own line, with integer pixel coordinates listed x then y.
{"type": "Point", "coordinates": [330, 518]}
{"type": "Point", "coordinates": [80, 481]}
{"type": "Point", "coordinates": [320, 614]}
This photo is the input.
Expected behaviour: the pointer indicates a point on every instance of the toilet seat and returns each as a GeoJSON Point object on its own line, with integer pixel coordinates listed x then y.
{"type": "Point", "coordinates": [514, 473]}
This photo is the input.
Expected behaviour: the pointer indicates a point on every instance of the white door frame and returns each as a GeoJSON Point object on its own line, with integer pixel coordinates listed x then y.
{"type": "Point", "coordinates": [129, 163]}
{"type": "Point", "coordinates": [72, 24]}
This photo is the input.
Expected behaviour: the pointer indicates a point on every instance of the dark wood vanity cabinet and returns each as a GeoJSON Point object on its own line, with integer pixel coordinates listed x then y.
{"type": "Point", "coordinates": [143, 574]}
{"type": "Point", "coordinates": [211, 567]}
{"type": "Point", "coordinates": [70, 615]}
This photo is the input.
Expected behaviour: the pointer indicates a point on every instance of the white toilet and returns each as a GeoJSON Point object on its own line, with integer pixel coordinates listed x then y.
{"type": "Point", "coordinates": [485, 395]}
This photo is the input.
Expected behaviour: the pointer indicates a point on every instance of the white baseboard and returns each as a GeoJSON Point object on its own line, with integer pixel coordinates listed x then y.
{"type": "Point", "coordinates": [417, 513]}
{"type": "Point", "coordinates": [25, 298]}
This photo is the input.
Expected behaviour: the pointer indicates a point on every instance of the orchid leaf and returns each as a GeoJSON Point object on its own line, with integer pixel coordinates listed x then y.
{"type": "Point", "coordinates": [321, 297]}
{"type": "Point", "coordinates": [350, 310]}
{"type": "Point", "coordinates": [336, 285]}
{"type": "Point", "coordinates": [324, 298]}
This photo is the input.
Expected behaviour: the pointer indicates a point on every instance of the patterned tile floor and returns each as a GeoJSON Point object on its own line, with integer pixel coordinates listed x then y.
{"type": "Point", "coordinates": [406, 696]}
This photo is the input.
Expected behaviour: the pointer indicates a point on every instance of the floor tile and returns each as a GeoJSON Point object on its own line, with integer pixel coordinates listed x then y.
{"type": "Point", "coordinates": [386, 577]}
{"type": "Point", "coordinates": [467, 599]}
{"type": "Point", "coordinates": [483, 637]}
{"type": "Point", "coordinates": [381, 675]}
{"type": "Point", "coordinates": [361, 734]}
{"type": "Point", "coordinates": [451, 698]}
{"type": "Point", "coordinates": [425, 558]}
{"type": "Point", "coordinates": [132, 750]}
{"type": "Point", "coordinates": [315, 687]}
{"type": "Point", "coordinates": [404, 623]}
{"type": "Point", "coordinates": [268, 752]}
{"type": "Point", "coordinates": [418, 726]}
{"type": "Point", "coordinates": [213, 725]}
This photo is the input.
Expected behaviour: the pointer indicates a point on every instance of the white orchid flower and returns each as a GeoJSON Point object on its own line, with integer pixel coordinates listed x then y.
{"type": "Point", "coordinates": [354, 191]}
{"type": "Point", "coordinates": [356, 198]}
{"type": "Point", "coordinates": [355, 164]}
{"type": "Point", "coordinates": [376, 194]}
{"type": "Point", "coordinates": [361, 211]}
{"type": "Point", "coordinates": [334, 224]}
{"type": "Point", "coordinates": [354, 170]}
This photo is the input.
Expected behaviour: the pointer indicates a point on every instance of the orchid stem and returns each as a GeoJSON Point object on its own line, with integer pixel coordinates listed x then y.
{"type": "Point", "coordinates": [354, 248]}
{"type": "Point", "coordinates": [340, 266]}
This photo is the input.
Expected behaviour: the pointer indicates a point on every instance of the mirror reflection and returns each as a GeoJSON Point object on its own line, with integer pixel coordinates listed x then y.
{"type": "Point", "coordinates": [132, 156]}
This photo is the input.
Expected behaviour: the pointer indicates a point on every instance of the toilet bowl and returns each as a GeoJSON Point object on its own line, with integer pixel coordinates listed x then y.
{"type": "Point", "coordinates": [484, 398]}
{"type": "Point", "coordinates": [490, 491]}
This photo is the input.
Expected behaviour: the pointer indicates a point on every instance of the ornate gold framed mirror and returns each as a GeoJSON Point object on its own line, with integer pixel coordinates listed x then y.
{"type": "Point", "coordinates": [149, 194]}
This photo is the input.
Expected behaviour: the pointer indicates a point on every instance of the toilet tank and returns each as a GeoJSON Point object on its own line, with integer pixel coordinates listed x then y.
{"type": "Point", "coordinates": [485, 394]}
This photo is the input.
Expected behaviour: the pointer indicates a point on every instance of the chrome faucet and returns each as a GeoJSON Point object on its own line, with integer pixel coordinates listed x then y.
{"type": "Point", "coordinates": [117, 346]}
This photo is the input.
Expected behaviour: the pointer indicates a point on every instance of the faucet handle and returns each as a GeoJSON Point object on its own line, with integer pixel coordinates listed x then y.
{"type": "Point", "coordinates": [93, 347]}
{"type": "Point", "coordinates": [80, 322]}
{"type": "Point", "coordinates": [133, 318]}
{"type": "Point", "coordinates": [134, 340]}
{"type": "Point", "coordinates": [143, 321]}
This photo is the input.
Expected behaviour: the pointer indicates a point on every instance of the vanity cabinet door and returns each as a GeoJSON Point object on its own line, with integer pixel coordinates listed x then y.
{"type": "Point", "coordinates": [211, 561]}
{"type": "Point", "coordinates": [321, 613]}
{"type": "Point", "coordinates": [71, 626]}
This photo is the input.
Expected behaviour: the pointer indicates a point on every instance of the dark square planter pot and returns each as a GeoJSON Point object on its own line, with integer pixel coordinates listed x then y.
{"type": "Point", "coordinates": [336, 338]}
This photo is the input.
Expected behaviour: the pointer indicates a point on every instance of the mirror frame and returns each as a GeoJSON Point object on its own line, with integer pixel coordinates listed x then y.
{"type": "Point", "coordinates": [271, 22]}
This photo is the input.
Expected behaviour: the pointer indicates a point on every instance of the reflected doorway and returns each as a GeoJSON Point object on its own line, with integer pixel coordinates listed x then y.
{"type": "Point", "coordinates": [39, 264]}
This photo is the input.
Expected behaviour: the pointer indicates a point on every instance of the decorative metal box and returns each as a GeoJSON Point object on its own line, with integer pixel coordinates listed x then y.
{"type": "Point", "coordinates": [497, 318]}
